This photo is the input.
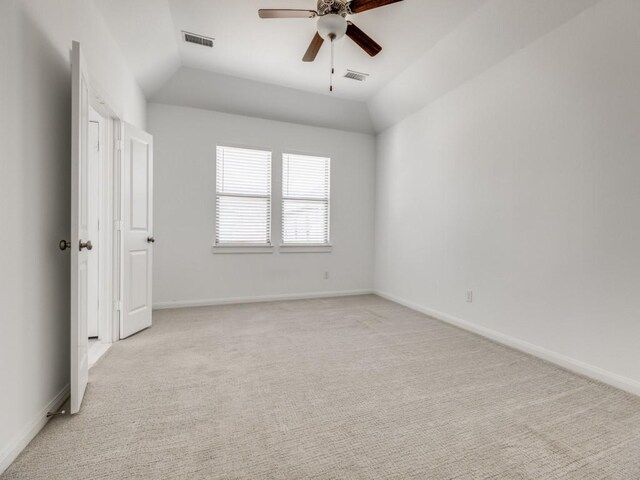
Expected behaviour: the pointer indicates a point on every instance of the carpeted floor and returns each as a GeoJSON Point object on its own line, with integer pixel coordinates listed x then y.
{"type": "Point", "coordinates": [350, 388]}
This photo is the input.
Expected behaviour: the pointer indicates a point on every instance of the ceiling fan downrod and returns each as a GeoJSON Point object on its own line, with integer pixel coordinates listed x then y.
{"type": "Point", "coordinates": [333, 70]}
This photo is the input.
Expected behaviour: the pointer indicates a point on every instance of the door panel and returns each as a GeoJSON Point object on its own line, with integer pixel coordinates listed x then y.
{"type": "Point", "coordinates": [139, 283]}
{"type": "Point", "coordinates": [79, 228]}
{"type": "Point", "coordinates": [137, 255]}
{"type": "Point", "coordinates": [139, 185]}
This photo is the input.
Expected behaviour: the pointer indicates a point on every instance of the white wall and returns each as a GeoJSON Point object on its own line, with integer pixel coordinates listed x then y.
{"type": "Point", "coordinates": [35, 151]}
{"type": "Point", "coordinates": [185, 269]}
{"type": "Point", "coordinates": [524, 186]}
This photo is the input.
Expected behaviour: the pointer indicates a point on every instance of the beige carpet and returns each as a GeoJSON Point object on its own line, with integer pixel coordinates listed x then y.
{"type": "Point", "coordinates": [351, 388]}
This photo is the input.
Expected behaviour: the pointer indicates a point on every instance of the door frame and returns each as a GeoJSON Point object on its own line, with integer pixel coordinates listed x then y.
{"type": "Point", "coordinates": [86, 95]}
{"type": "Point", "coordinates": [110, 217]}
{"type": "Point", "coordinates": [111, 214]}
{"type": "Point", "coordinates": [96, 190]}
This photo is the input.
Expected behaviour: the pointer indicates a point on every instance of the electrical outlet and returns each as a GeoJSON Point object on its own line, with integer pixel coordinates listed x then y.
{"type": "Point", "coordinates": [469, 296]}
{"type": "Point", "coordinates": [326, 275]}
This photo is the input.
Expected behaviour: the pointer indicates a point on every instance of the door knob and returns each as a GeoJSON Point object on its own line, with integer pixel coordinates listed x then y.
{"type": "Point", "coordinates": [64, 244]}
{"type": "Point", "coordinates": [151, 239]}
{"type": "Point", "coordinates": [86, 245]}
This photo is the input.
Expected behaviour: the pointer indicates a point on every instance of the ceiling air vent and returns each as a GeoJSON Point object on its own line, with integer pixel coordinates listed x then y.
{"type": "Point", "coordinates": [358, 76]}
{"type": "Point", "coordinates": [197, 39]}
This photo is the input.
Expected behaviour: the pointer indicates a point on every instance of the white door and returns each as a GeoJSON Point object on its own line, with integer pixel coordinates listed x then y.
{"type": "Point", "coordinates": [137, 230]}
{"type": "Point", "coordinates": [80, 245]}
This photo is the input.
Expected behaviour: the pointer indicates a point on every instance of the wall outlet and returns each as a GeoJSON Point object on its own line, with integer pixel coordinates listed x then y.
{"type": "Point", "coordinates": [469, 296]}
{"type": "Point", "coordinates": [326, 275]}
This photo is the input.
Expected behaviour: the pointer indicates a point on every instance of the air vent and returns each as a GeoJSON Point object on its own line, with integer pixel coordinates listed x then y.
{"type": "Point", "coordinates": [197, 39]}
{"type": "Point", "coordinates": [358, 76]}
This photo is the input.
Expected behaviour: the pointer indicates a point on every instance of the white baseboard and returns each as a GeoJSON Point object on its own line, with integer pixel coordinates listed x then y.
{"type": "Point", "coordinates": [20, 441]}
{"type": "Point", "coordinates": [568, 363]}
{"type": "Point", "coordinates": [264, 298]}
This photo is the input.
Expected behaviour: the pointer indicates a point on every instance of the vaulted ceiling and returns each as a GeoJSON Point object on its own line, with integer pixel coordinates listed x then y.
{"type": "Point", "coordinates": [430, 47]}
{"type": "Point", "coordinates": [271, 50]}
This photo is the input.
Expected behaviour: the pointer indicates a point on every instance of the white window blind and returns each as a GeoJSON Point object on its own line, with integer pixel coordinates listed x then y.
{"type": "Point", "coordinates": [243, 197]}
{"type": "Point", "coordinates": [305, 200]}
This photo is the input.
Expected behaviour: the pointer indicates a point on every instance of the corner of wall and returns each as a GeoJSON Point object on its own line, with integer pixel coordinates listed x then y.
{"type": "Point", "coordinates": [28, 433]}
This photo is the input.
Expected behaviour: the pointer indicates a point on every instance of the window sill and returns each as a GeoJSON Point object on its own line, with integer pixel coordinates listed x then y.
{"type": "Point", "coordinates": [306, 248]}
{"type": "Point", "coordinates": [235, 249]}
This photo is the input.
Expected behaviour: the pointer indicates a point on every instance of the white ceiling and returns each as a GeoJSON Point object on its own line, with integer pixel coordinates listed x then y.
{"type": "Point", "coordinates": [271, 50]}
{"type": "Point", "coordinates": [494, 32]}
{"type": "Point", "coordinates": [145, 32]}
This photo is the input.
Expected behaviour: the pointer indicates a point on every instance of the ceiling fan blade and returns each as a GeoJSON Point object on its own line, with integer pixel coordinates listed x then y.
{"type": "Point", "coordinates": [358, 6]}
{"type": "Point", "coordinates": [286, 13]}
{"type": "Point", "coordinates": [314, 48]}
{"type": "Point", "coordinates": [363, 40]}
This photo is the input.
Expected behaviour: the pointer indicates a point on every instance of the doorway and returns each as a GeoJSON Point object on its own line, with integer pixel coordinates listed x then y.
{"type": "Point", "coordinates": [98, 307]}
{"type": "Point", "coordinates": [111, 207]}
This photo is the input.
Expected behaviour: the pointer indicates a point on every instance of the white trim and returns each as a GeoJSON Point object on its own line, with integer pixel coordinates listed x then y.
{"type": "Point", "coordinates": [118, 228]}
{"type": "Point", "coordinates": [306, 245]}
{"type": "Point", "coordinates": [111, 331]}
{"type": "Point", "coordinates": [22, 439]}
{"type": "Point", "coordinates": [244, 146]}
{"type": "Point", "coordinates": [568, 363]}
{"type": "Point", "coordinates": [228, 249]}
{"type": "Point", "coordinates": [110, 202]}
{"type": "Point", "coordinates": [257, 299]}
{"type": "Point", "coordinates": [300, 248]}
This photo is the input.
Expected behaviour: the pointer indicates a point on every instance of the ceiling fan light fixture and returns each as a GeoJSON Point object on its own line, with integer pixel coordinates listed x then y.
{"type": "Point", "coordinates": [332, 26]}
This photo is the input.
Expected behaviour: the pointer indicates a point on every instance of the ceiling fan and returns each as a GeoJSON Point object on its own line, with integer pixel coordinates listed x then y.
{"type": "Point", "coordinates": [333, 23]}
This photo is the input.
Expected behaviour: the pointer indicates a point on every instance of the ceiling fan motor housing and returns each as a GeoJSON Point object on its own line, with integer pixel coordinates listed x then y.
{"type": "Point", "coordinates": [340, 7]}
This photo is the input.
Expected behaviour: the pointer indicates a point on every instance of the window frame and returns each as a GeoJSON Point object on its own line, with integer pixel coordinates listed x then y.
{"type": "Point", "coordinates": [226, 248]}
{"type": "Point", "coordinates": [288, 247]}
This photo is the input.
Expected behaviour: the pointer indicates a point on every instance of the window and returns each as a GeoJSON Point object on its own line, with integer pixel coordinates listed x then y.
{"type": "Point", "coordinates": [305, 200]}
{"type": "Point", "coordinates": [243, 197]}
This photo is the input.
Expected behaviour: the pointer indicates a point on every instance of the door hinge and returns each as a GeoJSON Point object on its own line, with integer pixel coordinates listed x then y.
{"type": "Point", "coordinates": [118, 145]}
{"type": "Point", "coordinates": [117, 225]}
{"type": "Point", "coordinates": [117, 306]}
